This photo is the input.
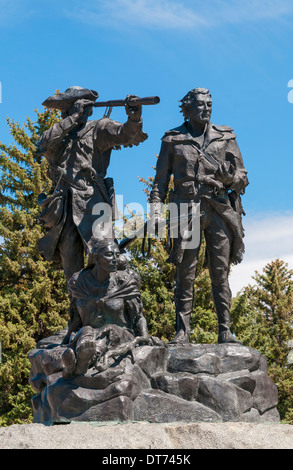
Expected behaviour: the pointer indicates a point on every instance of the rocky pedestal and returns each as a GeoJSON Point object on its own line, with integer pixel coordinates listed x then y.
{"type": "Point", "coordinates": [159, 384]}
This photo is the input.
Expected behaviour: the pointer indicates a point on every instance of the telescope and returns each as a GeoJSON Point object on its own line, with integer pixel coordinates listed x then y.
{"type": "Point", "coordinates": [149, 100]}
{"type": "Point", "coordinates": [64, 101]}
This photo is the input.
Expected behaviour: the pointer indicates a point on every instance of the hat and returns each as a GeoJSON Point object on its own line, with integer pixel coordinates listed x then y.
{"type": "Point", "coordinates": [64, 101]}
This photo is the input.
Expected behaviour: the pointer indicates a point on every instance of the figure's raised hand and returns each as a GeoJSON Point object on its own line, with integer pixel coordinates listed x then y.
{"type": "Point", "coordinates": [81, 110]}
{"type": "Point", "coordinates": [132, 111]}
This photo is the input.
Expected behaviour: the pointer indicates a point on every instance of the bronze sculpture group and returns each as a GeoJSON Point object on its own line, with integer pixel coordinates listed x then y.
{"type": "Point", "coordinates": [207, 167]}
{"type": "Point", "coordinates": [105, 365]}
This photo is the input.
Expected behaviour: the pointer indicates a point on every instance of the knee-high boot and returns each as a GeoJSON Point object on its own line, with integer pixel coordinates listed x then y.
{"type": "Point", "coordinates": [222, 300]}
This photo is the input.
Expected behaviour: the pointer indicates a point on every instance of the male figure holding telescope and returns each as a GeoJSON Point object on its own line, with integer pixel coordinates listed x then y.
{"type": "Point", "coordinates": [78, 152]}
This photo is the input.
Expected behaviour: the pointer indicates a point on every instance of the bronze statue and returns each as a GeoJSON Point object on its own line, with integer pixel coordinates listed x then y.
{"type": "Point", "coordinates": [107, 297]}
{"type": "Point", "coordinates": [208, 169]}
{"type": "Point", "coordinates": [78, 152]}
{"type": "Point", "coordinates": [108, 300]}
{"type": "Point", "coordinates": [105, 366]}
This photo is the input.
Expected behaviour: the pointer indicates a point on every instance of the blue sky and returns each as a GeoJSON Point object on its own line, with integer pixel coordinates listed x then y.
{"type": "Point", "coordinates": [240, 50]}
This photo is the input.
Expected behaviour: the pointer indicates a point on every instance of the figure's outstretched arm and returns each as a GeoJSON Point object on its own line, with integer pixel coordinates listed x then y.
{"type": "Point", "coordinates": [111, 134]}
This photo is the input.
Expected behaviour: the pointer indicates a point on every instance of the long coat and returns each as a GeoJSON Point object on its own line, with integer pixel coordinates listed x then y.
{"type": "Point", "coordinates": [194, 163]}
{"type": "Point", "coordinates": [78, 165]}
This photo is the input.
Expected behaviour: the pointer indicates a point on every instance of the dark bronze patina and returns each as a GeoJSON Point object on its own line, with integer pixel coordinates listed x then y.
{"type": "Point", "coordinates": [78, 152]}
{"type": "Point", "coordinates": [207, 166]}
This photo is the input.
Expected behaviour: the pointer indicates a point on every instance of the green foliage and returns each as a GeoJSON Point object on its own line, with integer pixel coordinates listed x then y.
{"type": "Point", "coordinates": [33, 300]}
{"type": "Point", "coordinates": [157, 281]}
{"type": "Point", "coordinates": [156, 289]}
{"type": "Point", "coordinates": [283, 378]}
{"type": "Point", "coordinates": [262, 318]}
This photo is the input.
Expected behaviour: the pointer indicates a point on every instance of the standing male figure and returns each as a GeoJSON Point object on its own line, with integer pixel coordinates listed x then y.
{"type": "Point", "coordinates": [207, 166]}
{"type": "Point", "coordinates": [78, 152]}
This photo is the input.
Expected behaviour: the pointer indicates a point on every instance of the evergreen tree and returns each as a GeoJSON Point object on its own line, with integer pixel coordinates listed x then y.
{"type": "Point", "coordinates": [262, 314]}
{"type": "Point", "coordinates": [33, 299]}
{"type": "Point", "coordinates": [262, 317]}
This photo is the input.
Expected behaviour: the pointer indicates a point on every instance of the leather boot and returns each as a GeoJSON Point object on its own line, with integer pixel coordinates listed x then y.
{"type": "Point", "coordinates": [227, 337]}
{"type": "Point", "coordinates": [222, 300]}
{"type": "Point", "coordinates": [183, 313]}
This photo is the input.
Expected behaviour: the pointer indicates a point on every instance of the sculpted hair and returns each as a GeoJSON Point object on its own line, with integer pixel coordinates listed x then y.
{"type": "Point", "coordinates": [102, 243]}
{"type": "Point", "coordinates": [189, 98]}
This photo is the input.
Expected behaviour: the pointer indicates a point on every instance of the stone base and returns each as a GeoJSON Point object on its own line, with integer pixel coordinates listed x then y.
{"type": "Point", "coordinates": [149, 438]}
{"type": "Point", "coordinates": [159, 384]}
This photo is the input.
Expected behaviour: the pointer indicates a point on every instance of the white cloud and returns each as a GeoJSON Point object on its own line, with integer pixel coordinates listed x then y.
{"type": "Point", "coordinates": [158, 14]}
{"type": "Point", "coordinates": [171, 14]}
{"type": "Point", "coordinates": [225, 11]}
{"type": "Point", "coordinates": [266, 238]}
{"type": "Point", "coordinates": [15, 11]}
{"type": "Point", "coordinates": [152, 14]}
